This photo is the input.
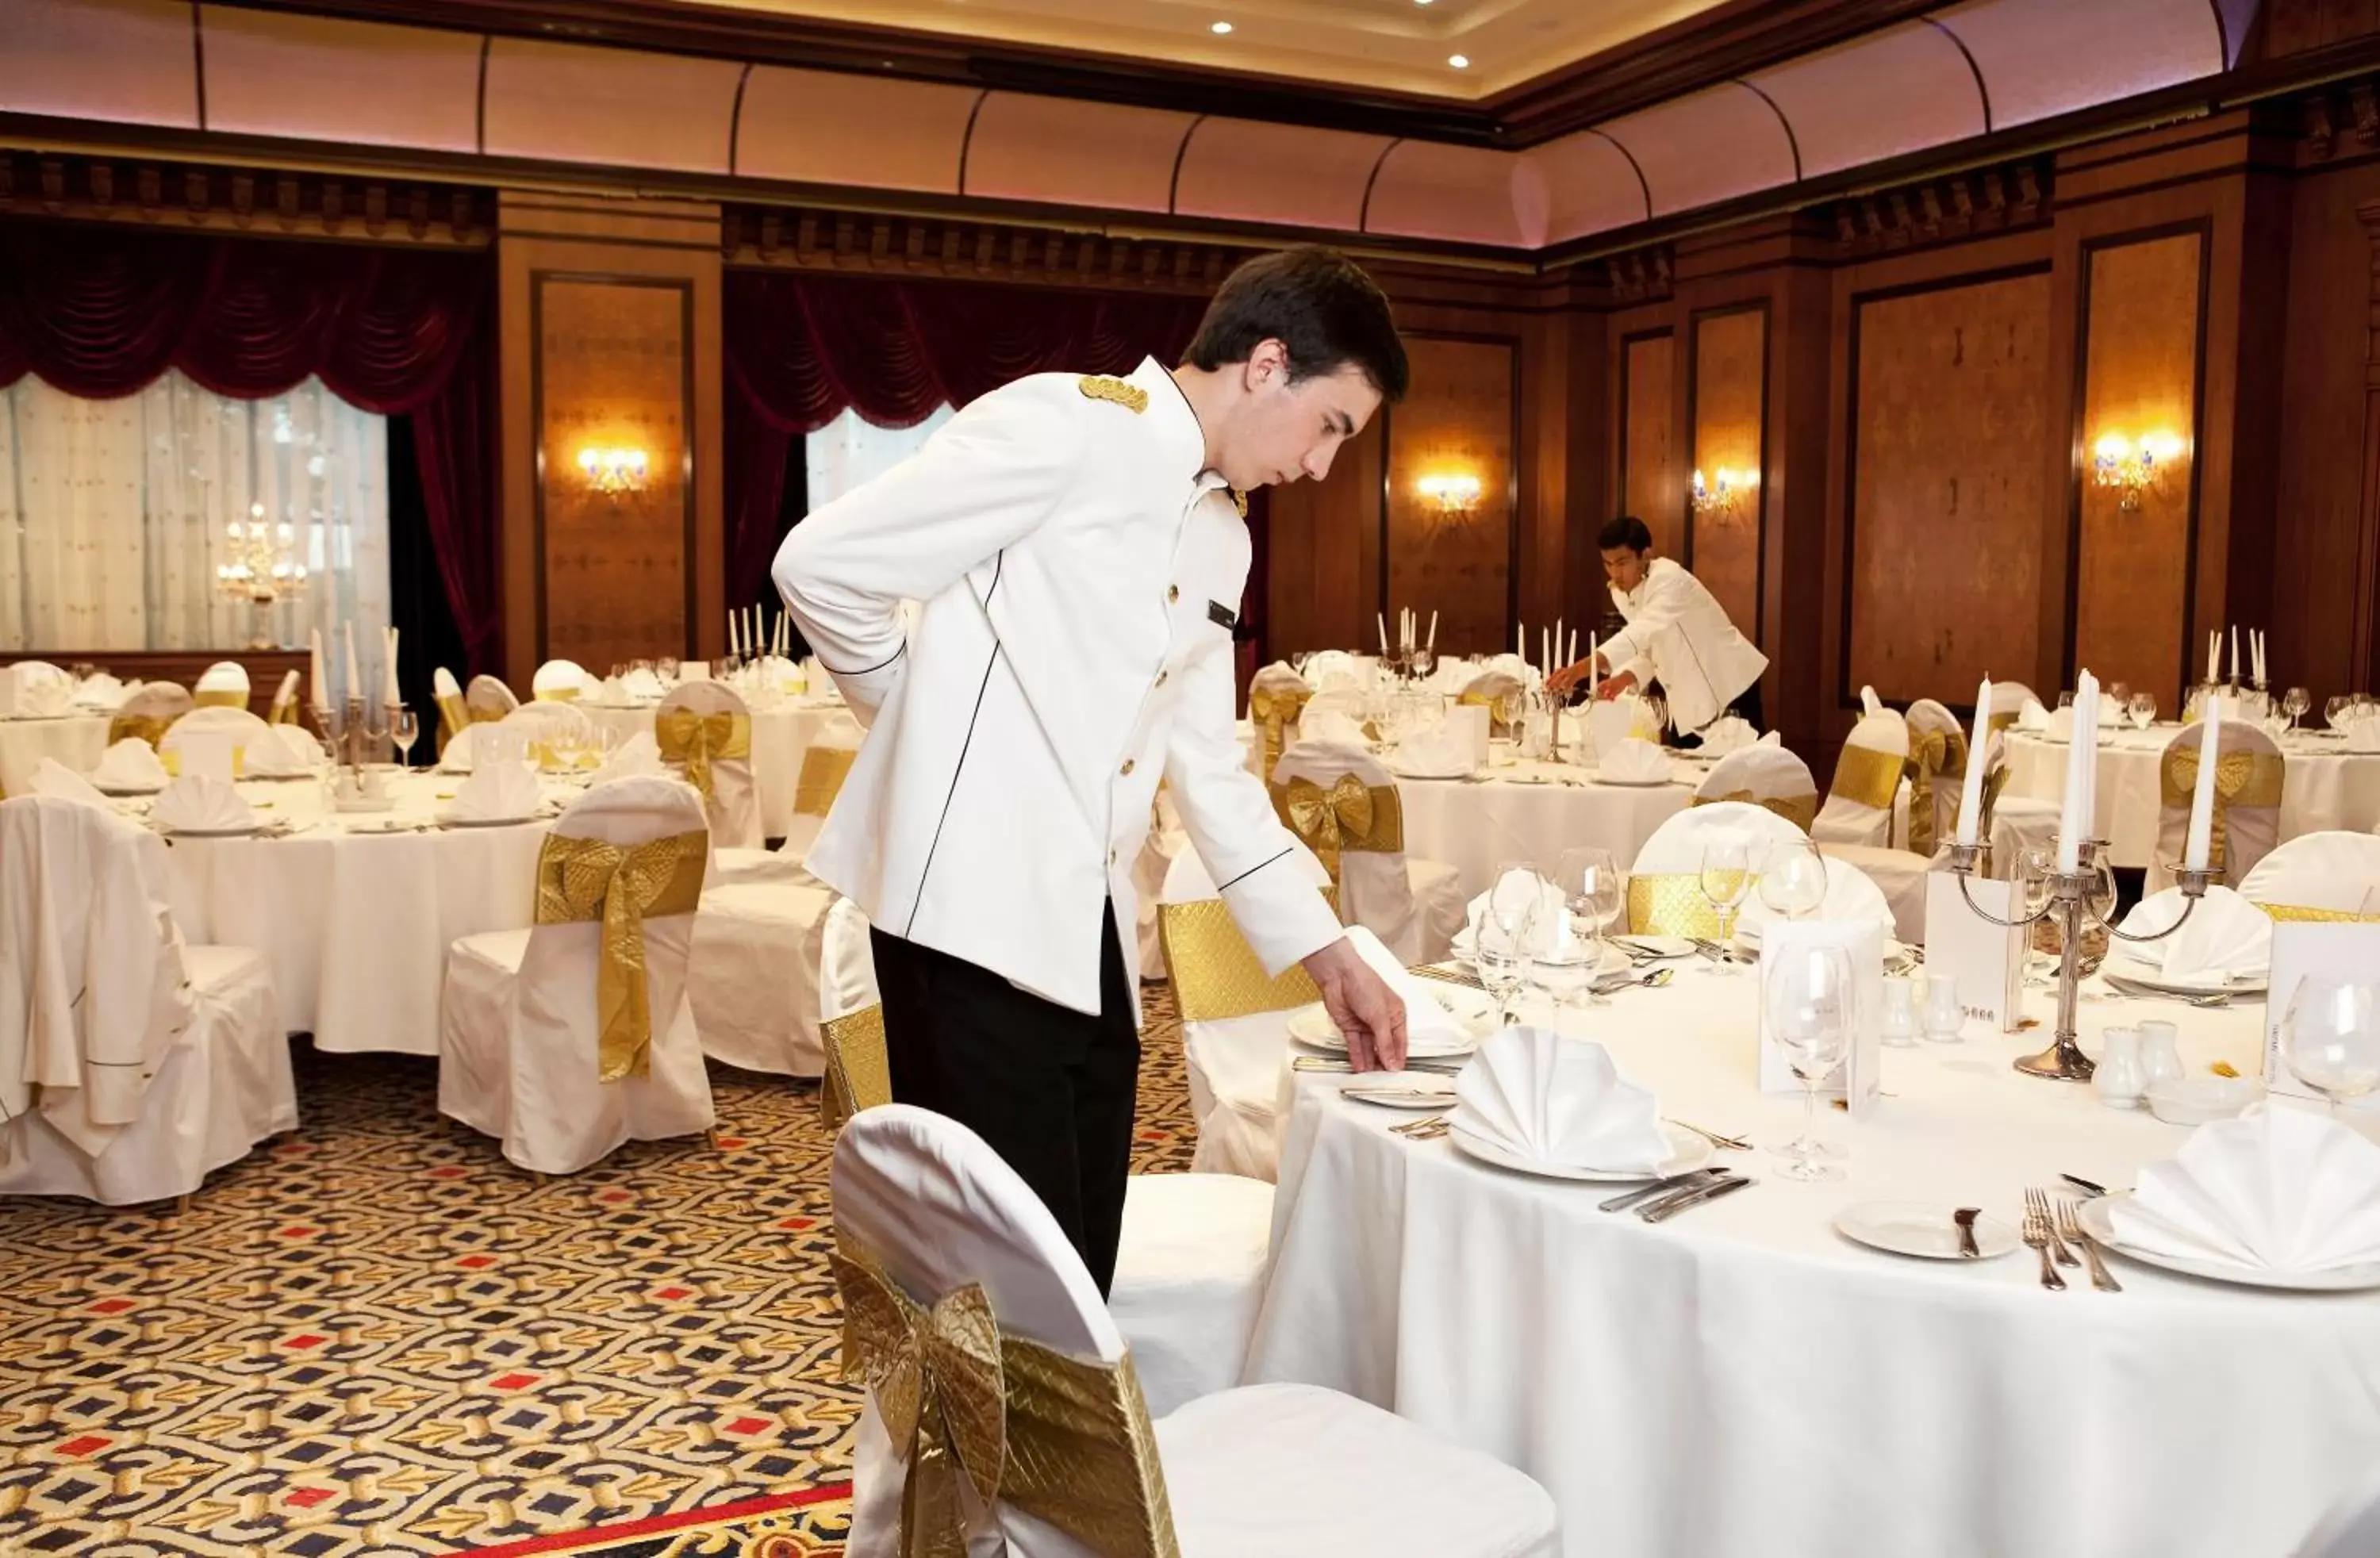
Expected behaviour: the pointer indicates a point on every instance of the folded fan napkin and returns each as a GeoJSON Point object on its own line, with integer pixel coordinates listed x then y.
{"type": "Point", "coordinates": [494, 791]}
{"type": "Point", "coordinates": [2033, 716]}
{"type": "Point", "coordinates": [270, 756]}
{"type": "Point", "coordinates": [100, 690]}
{"type": "Point", "coordinates": [44, 698]}
{"type": "Point", "coordinates": [1551, 1099]}
{"type": "Point", "coordinates": [2225, 936]}
{"type": "Point", "coordinates": [638, 755]}
{"type": "Point", "coordinates": [1728, 732]}
{"type": "Point", "coordinates": [305, 753]}
{"type": "Point", "coordinates": [203, 802]}
{"type": "Point", "coordinates": [642, 686]}
{"type": "Point", "coordinates": [1551, 928]}
{"type": "Point", "coordinates": [456, 758]}
{"type": "Point", "coordinates": [53, 778]}
{"type": "Point", "coordinates": [1634, 762]}
{"type": "Point", "coordinates": [1332, 724]}
{"type": "Point", "coordinates": [2060, 726]}
{"type": "Point", "coordinates": [1442, 750]}
{"type": "Point", "coordinates": [2364, 735]}
{"type": "Point", "coordinates": [2282, 1190]}
{"type": "Point", "coordinates": [130, 764]}
{"type": "Point", "coordinates": [1430, 1028]}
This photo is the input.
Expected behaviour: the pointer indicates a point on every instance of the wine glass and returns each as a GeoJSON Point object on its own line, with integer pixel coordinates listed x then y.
{"type": "Point", "coordinates": [2294, 703]}
{"type": "Point", "coordinates": [2119, 694]}
{"type": "Point", "coordinates": [1512, 710]}
{"type": "Point", "coordinates": [2142, 710]}
{"type": "Point", "coordinates": [2330, 1036]}
{"type": "Point", "coordinates": [2335, 711]}
{"type": "Point", "coordinates": [405, 729]}
{"type": "Point", "coordinates": [666, 668]}
{"type": "Point", "coordinates": [1424, 661]}
{"type": "Point", "coordinates": [1510, 926]}
{"type": "Point", "coordinates": [1726, 881]}
{"type": "Point", "coordinates": [1297, 659]}
{"type": "Point", "coordinates": [1590, 883]}
{"type": "Point", "coordinates": [1812, 1003]}
{"type": "Point", "coordinates": [1793, 877]}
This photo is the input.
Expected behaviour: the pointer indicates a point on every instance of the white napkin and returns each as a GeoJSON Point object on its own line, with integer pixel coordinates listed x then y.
{"type": "Point", "coordinates": [44, 698]}
{"type": "Point", "coordinates": [53, 778]}
{"type": "Point", "coordinates": [1332, 724]}
{"type": "Point", "coordinates": [1633, 761]}
{"type": "Point", "coordinates": [2364, 735]}
{"type": "Point", "coordinates": [1611, 723]}
{"type": "Point", "coordinates": [456, 758]}
{"type": "Point", "coordinates": [494, 791]}
{"type": "Point", "coordinates": [1551, 924]}
{"type": "Point", "coordinates": [201, 801]}
{"type": "Point", "coordinates": [273, 756]}
{"type": "Point", "coordinates": [305, 753]}
{"type": "Point", "coordinates": [613, 693]}
{"type": "Point", "coordinates": [2061, 725]}
{"type": "Point", "coordinates": [1442, 750]}
{"type": "Point", "coordinates": [2281, 1189]}
{"type": "Point", "coordinates": [638, 755]}
{"type": "Point", "coordinates": [100, 690]}
{"type": "Point", "coordinates": [2227, 935]}
{"type": "Point", "coordinates": [130, 764]}
{"type": "Point", "coordinates": [642, 686]}
{"type": "Point", "coordinates": [1728, 732]}
{"type": "Point", "coordinates": [1430, 1028]}
{"type": "Point", "coordinates": [2033, 716]}
{"type": "Point", "coordinates": [1560, 1101]}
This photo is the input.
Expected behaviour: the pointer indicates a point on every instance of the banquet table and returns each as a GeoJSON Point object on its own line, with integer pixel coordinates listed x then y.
{"type": "Point", "coordinates": [2324, 786]}
{"type": "Point", "coordinates": [1744, 1379]}
{"type": "Point", "coordinates": [780, 735]}
{"type": "Point", "coordinates": [79, 740]}
{"type": "Point", "coordinates": [355, 921]}
{"type": "Point", "coordinates": [1533, 810]}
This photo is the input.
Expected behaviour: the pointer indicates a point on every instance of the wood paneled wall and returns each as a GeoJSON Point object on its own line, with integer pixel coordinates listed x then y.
{"type": "Point", "coordinates": [1729, 401]}
{"type": "Point", "coordinates": [1457, 421]}
{"type": "Point", "coordinates": [1651, 486]}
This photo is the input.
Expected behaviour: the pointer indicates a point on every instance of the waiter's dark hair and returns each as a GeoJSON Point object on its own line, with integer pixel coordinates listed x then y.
{"type": "Point", "coordinates": [1319, 304]}
{"type": "Point", "coordinates": [1628, 532]}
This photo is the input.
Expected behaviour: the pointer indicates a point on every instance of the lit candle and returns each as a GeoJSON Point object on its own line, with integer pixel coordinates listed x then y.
{"type": "Point", "coordinates": [1521, 641]}
{"type": "Point", "coordinates": [2257, 638]}
{"type": "Point", "coordinates": [1433, 630]}
{"type": "Point", "coordinates": [2200, 840]}
{"type": "Point", "coordinates": [2081, 757]}
{"type": "Point", "coordinates": [2235, 654]}
{"type": "Point", "coordinates": [1556, 658]}
{"type": "Point", "coordinates": [1970, 794]}
{"type": "Point", "coordinates": [1381, 618]}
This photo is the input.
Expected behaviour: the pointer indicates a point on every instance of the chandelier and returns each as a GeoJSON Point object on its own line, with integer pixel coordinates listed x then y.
{"type": "Point", "coordinates": [260, 570]}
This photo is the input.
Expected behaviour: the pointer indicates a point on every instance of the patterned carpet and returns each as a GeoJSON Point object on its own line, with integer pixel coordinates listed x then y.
{"type": "Point", "coordinates": [376, 1337]}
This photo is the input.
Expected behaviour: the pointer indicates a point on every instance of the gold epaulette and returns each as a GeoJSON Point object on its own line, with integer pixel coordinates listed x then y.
{"type": "Point", "coordinates": [1100, 386]}
{"type": "Point", "coordinates": [1240, 502]}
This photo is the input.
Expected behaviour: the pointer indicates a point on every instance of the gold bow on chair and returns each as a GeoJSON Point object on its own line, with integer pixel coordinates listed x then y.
{"type": "Point", "coordinates": [1061, 1439]}
{"type": "Point", "coordinates": [1934, 757]}
{"type": "Point", "coordinates": [1349, 815]}
{"type": "Point", "coordinates": [1799, 810]}
{"type": "Point", "coordinates": [1867, 777]}
{"type": "Point", "coordinates": [150, 728]}
{"type": "Point", "coordinates": [1273, 710]}
{"type": "Point", "coordinates": [695, 741]}
{"type": "Point", "coordinates": [2252, 779]}
{"type": "Point", "coordinates": [219, 698]}
{"type": "Point", "coordinates": [823, 771]}
{"type": "Point", "coordinates": [582, 879]}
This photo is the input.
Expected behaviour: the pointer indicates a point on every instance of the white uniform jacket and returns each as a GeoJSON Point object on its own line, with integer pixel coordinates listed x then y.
{"type": "Point", "coordinates": [1080, 574]}
{"type": "Point", "coordinates": [1679, 632]}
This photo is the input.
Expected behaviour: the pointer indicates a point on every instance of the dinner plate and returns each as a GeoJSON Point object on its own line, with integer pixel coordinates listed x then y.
{"type": "Point", "coordinates": [1689, 1153]}
{"type": "Point", "coordinates": [1473, 1010]}
{"type": "Point", "coordinates": [1657, 947]}
{"type": "Point", "coordinates": [2151, 978]}
{"type": "Point", "coordinates": [1635, 784]}
{"type": "Point", "coordinates": [1463, 952]}
{"type": "Point", "coordinates": [485, 821]}
{"type": "Point", "coordinates": [243, 831]}
{"type": "Point", "coordinates": [1408, 1095]}
{"type": "Point", "coordinates": [1402, 771]}
{"type": "Point", "coordinates": [1919, 1228]}
{"type": "Point", "coordinates": [129, 789]}
{"type": "Point", "coordinates": [2094, 1216]}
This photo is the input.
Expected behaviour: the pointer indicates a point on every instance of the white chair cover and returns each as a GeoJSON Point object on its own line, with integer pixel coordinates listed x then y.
{"type": "Point", "coordinates": [1867, 780]}
{"type": "Point", "coordinates": [1271, 1471]}
{"type": "Point", "coordinates": [560, 681]}
{"type": "Point", "coordinates": [223, 685]}
{"type": "Point", "coordinates": [1852, 894]}
{"type": "Point", "coordinates": [734, 802]}
{"type": "Point", "coordinates": [1414, 906]}
{"type": "Point", "coordinates": [1166, 842]}
{"type": "Point", "coordinates": [2009, 699]}
{"type": "Point", "coordinates": [258, 749]}
{"type": "Point", "coordinates": [772, 961]}
{"type": "Point", "coordinates": [1926, 717]}
{"type": "Point", "coordinates": [2330, 874]}
{"type": "Point", "coordinates": [2252, 819]}
{"type": "Point", "coordinates": [158, 703]}
{"type": "Point", "coordinates": [1768, 777]}
{"type": "Point", "coordinates": [154, 1063]}
{"type": "Point", "coordinates": [489, 698]}
{"type": "Point", "coordinates": [846, 964]}
{"type": "Point", "coordinates": [1664, 892]}
{"type": "Point", "coordinates": [518, 1039]}
{"type": "Point", "coordinates": [1277, 696]}
{"type": "Point", "coordinates": [545, 721]}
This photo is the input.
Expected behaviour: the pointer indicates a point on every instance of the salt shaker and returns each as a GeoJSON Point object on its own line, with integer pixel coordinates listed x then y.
{"type": "Point", "coordinates": [2121, 1078]}
{"type": "Point", "coordinates": [2160, 1053]}
{"type": "Point", "coordinates": [1944, 1017]}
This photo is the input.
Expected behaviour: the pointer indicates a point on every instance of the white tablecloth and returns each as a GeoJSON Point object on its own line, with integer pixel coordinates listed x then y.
{"type": "Point", "coordinates": [1742, 1380]}
{"type": "Point", "coordinates": [779, 737]}
{"type": "Point", "coordinates": [2325, 786]}
{"type": "Point", "coordinates": [77, 740]}
{"type": "Point", "coordinates": [355, 925]}
{"type": "Point", "coordinates": [1531, 811]}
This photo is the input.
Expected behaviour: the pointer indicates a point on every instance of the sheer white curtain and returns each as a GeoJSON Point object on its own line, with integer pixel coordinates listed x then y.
{"type": "Point", "coordinates": [114, 514]}
{"type": "Point", "coordinates": [848, 451]}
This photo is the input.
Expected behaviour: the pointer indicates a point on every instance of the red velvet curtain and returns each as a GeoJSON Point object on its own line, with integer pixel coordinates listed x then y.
{"type": "Point", "coordinates": [103, 312]}
{"type": "Point", "coordinates": [801, 348]}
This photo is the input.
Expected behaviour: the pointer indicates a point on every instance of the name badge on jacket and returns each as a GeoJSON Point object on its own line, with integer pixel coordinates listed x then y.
{"type": "Point", "coordinates": [1222, 615]}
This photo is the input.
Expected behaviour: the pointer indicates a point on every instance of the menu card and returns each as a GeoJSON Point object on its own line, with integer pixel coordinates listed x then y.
{"type": "Point", "coordinates": [2303, 947]}
{"type": "Point", "coordinates": [1986, 961]}
{"type": "Point", "coordinates": [1856, 1078]}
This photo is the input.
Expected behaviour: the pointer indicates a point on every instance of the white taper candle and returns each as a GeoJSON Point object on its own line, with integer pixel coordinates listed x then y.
{"type": "Point", "coordinates": [1970, 792]}
{"type": "Point", "coordinates": [2199, 842]}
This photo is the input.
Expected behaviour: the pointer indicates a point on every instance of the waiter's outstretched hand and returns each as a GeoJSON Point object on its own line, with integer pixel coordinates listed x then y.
{"type": "Point", "coordinates": [1568, 676]}
{"type": "Point", "coordinates": [1361, 1005]}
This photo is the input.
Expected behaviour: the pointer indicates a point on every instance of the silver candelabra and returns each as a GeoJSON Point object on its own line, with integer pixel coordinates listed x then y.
{"type": "Point", "coordinates": [2069, 900]}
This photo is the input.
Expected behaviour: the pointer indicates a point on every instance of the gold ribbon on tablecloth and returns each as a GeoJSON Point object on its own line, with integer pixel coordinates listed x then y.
{"type": "Point", "coordinates": [1273, 710]}
{"type": "Point", "coordinates": [1936, 756]}
{"type": "Point", "coordinates": [1216, 974]}
{"type": "Point", "coordinates": [858, 1068]}
{"type": "Point", "coordinates": [1349, 815]}
{"type": "Point", "coordinates": [219, 698]}
{"type": "Point", "coordinates": [2302, 912]}
{"type": "Point", "coordinates": [150, 728]}
{"type": "Point", "coordinates": [1867, 777]}
{"type": "Point", "coordinates": [1063, 1439]}
{"type": "Point", "coordinates": [696, 741]}
{"type": "Point", "coordinates": [1671, 905]}
{"type": "Point", "coordinates": [2250, 779]}
{"type": "Point", "coordinates": [1799, 810]}
{"type": "Point", "coordinates": [453, 718]}
{"type": "Point", "coordinates": [619, 886]}
{"type": "Point", "coordinates": [823, 771]}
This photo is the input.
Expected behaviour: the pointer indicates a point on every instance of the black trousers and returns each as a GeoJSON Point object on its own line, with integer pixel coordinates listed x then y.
{"type": "Point", "coordinates": [1746, 707]}
{"type": "Point", "coordinates": [1052, 1090]}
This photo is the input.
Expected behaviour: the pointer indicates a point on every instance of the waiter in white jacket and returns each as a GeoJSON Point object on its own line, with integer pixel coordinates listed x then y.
{"type": "Point", "coordinates": [1078, 546]}
{"type": "Point", "coordinates": [1677, 633]}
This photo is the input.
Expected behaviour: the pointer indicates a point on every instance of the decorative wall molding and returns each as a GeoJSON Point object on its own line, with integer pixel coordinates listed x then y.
{"type": "Point", "coordinates": [1955, 205]}
{"type": "Point", "coordinates": [192, 196]}
{"type": "Point", "coordinates": [1640, 276]}
{"type": "Point", "coordinates": [802, 237]}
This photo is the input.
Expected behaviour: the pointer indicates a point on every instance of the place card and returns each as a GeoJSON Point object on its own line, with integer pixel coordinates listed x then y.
{"type": "Point", "coordinates": [1986, 961]}
{"type": "Point", "coordinates": [1856, 1080]}
{"type": "Point", "coordinates": [2310, 946]}
{"type": "Point", "coordinates": [1470, 720]}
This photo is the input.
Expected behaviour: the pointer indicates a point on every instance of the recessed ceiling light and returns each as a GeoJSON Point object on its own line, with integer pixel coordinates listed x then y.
{"type": "Point", "coordinates": [1221, 27]}
{"type": "Point", "coordinates": [1460, 62]}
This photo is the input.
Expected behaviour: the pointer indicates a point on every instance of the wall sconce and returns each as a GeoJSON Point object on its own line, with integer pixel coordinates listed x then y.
{"type": "Point", "coordinates": [1455, 496]}
{"type": "Point", "coordinates": [1721, 495]}
{"type": "Point", "coordinates": [2131, 468]}
{"type": "Point", "coordinates": [612, 472]}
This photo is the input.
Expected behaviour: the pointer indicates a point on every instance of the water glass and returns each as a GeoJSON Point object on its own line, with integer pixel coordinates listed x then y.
{"type": "Point", "coordinates": [1726, 881]}
{"type": "Point", "coordinates": [1512, 908]}
{"type": "Point", "coordinates": [1500, 954]}
{"type": "Point", "coordinates": [1590, 883]}
{"type": "Point", "coordinates": [1811, 1001]}
{"type": "Point", "coordinates": [1793, 877]}
{"type": "Point", "coordinates": [2142, 710]}
{"type": "Point", "coordinates": [2294, 703]}
{"type": "Point", "coordinates": [2330, 1037]}
{"type": "Point", "coordinates": [405, 729]}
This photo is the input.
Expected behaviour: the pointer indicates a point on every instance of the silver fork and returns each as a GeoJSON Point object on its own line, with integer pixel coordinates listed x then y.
{"type": "Point", "coordinates": [1422, 1130]}
{"type": "Point", "coordinates": [2037, 1234]}
{"type": "Point", "coordinates": [2049, 1217]}
{"type": "Point", "coordinates": [2071, 1226]}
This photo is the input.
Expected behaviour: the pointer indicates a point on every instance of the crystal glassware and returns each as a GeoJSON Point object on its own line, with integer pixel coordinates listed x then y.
{"type": "Point", "coordinates": [1590, 884]}
{"type": "Point", "coordinates": [1726, 882]}
{"type": "Point", "coordinates": [405, 729]}
{"type": "Point", "coordinates": [2330, 1036]}
{"type": "Point", "coordinates": [1793, 877]}
{"type": "Point", "coordinates": [1811, 1002]}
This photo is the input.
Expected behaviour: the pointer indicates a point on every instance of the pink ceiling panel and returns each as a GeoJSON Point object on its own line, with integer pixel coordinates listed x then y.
{"type": "Point", "coordinates": [580, 104]}
{"type": "Point", "coordinates": [1707, 146]}
{"type": "Point", "coordinates": [1240, 170]}
{"type": "Point", "coordinates": [1464, 194]}
{"type": "Point", "coordinates": [2040, 58]}
{"type": "Point", "coordinates": [1054, 149]}
{"type": "Point", "coordinates": [1590, 186]}
{"type": "Point", "coordinates": [132, 61]}
{"type": "Point", "coordinates": [278, 73]}
{"type": "Point", "coordinates": [1901, 90]}
{"type": "Point", "coordinates": [819, 127]}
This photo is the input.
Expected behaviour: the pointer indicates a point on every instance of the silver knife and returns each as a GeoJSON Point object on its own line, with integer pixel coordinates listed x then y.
{"type": "Point", "coordinates": [1676, 1182]}
{"type": "Point", "coordinates": [1671, 1206]}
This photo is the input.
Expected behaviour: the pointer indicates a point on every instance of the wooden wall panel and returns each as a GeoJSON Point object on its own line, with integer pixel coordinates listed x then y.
{"type": "Point", "coordinates": [1324, 581]}
{"type": "Point", "coordinates": [1651, 488]}
{"type": "Point", "coordinates": [1946, 485]}
{"type": "Point", "coordinates": [2143, 320]}
{"type": "Point", "coordinates": [1458, 419]}
{"type": "Point", "coordinates": [1729, 404]}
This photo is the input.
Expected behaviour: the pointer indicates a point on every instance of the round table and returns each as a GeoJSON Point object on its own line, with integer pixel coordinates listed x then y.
{"type": "Point", "coordinates": [780, 735]}
{"type": "Point", "coordinates": [2324, 786]}
{"type": "Point", "coordinates": [1532, 811]}
{"type": "Point", "coordinates": [78, 740]}
{"type": "Point", "coordinates": [356, 923]}
{"type": "Point", "coordinates": [1744, 1380]}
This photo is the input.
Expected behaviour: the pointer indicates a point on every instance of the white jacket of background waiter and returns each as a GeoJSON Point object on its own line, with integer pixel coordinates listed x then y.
{"type": "Point", "coordinates": [1678, 631]}
{"type": "Point", "coordinates": [1080, 574]}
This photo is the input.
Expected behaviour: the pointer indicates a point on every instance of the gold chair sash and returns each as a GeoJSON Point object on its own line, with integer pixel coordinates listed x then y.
{"type": "Point", "coordinates": [1936, 756]}
{"type": "Point", "coordinates": [1216, 974]}
{"type": "Point", "coordinates": [453, 718]}
{"type": "Point", "coordinates": [219, 698]}
{"type": "Point", "coordinates": [583, 879]}
{"type": "Point", "coordinates": [2302, 912]}
{"type": "Point", "coordinates": [2006, 720]}
{"type": "Point", "coordinates": [823, 771]}
{"type": "Point", "coordinates": [487, 713]}
{"type": "Point", "coordinates": [695, 741]}
{"type": "Point", "coordinates": [2252, 779]}
{"type": "Point", "coordinates": [1867, 777]}
{"type": "Point", "coordinates": [1799, 810]}
{"type": "Point", "coordinates": [858, 1069]}
{"type": "Point", "coordinates": [150, 728]}
{"type": "Point", "coordinates": [1273, 710]}
{"type": "Point", "coordinates": [1349, 815]}
{"type": "Point", "coordinates": [1063, 1439]}
{"type": "Point", "coordinates": [555, 694]}
{"type": "Point", "coordinates": [1671, 905]}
